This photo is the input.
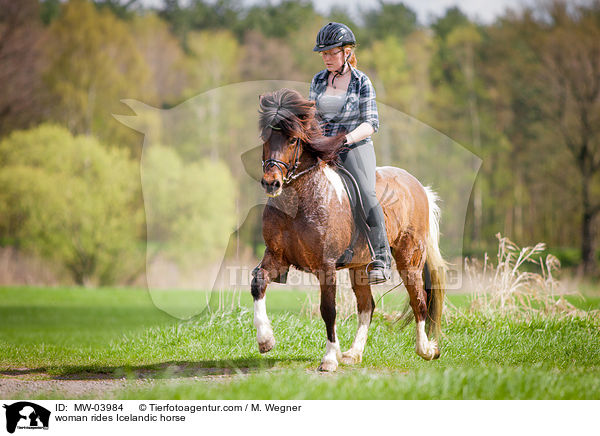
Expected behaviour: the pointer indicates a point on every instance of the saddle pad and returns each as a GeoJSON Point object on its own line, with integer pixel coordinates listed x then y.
{"type": "Point", "coordinates": [351, 189]}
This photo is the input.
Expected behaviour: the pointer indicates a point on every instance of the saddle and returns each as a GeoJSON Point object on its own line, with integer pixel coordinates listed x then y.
{"type": "Point", "coordinates": [358, 212]}
{"type": "Point", "coordinates": [360, 218]}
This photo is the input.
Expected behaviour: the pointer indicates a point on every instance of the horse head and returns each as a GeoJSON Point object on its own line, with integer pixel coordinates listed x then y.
{"type": "Point", "coordinates": [290, 131]}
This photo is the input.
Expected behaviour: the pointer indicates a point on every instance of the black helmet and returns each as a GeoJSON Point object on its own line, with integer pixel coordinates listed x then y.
{"type": "Point", "coordinates": [334, 35]}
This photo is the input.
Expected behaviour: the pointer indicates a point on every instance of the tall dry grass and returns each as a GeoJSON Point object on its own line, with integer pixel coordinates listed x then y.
{"type": "Point", "coordinates": [522, 282]}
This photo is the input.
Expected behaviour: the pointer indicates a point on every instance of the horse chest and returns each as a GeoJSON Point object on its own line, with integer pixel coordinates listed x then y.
{"type": "Point", "coordinates": [310, 225]}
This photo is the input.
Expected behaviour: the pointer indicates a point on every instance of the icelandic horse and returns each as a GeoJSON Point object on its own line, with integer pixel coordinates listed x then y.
{"type": "Point", "coordinates": [308, 223]}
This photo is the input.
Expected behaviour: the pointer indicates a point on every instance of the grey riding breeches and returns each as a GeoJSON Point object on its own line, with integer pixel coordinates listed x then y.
{"type": "Point", "coordinates": [360, 161]}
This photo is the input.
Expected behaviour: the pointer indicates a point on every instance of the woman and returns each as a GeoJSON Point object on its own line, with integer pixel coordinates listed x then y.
{"type": "Point", "coordinates": [345, 101]}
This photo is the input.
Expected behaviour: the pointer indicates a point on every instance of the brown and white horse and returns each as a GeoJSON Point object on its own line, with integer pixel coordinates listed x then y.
{"type": "Point", "coordinates": [308, 223]}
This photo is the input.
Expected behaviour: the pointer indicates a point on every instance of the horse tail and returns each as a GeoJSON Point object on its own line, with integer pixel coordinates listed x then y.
{"type": "Point", "coordinates": [434, 273]}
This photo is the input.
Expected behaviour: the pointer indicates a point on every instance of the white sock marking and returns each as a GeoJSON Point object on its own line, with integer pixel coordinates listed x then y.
{"type": "Point", "coordinates": [425, 347]}
{"type": "Point", "coordinates": [364, 319]}
{"type": "Point", "coordinates": [261, 321]}
{"type": "Point", "coordinates": [332, 352]}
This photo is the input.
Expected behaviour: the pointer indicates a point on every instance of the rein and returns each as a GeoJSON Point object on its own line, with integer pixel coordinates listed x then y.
{"type": "Point", "coordinates": [290, 173]}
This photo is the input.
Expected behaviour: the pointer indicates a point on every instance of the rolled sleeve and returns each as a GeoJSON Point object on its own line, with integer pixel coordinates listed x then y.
{"type": "Point", "coordinates": [368, 105]}
{"type": "Point", "coordinates": [312, 93]}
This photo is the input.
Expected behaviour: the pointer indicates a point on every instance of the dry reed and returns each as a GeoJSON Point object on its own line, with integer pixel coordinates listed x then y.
{"type": "Point", "coordinates": [507, 289]}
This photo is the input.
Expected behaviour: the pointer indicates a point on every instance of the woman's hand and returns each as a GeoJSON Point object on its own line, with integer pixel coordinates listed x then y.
{"type": "Point", "coordinates": [363, 131]}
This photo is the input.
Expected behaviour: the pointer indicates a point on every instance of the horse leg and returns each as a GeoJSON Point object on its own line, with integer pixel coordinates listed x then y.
{"type": "Point", "coordinates": [365, 305]}
{"type": "Point", "coordinates": [267, 270]}
{"type": "Point", "coordinates": [413, 280]}
{"type": "Point", "coordinates": [327, 280]}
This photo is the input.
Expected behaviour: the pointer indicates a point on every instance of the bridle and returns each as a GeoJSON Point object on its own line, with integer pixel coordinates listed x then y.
{"type": "Point", "coordinates": [290, 171]}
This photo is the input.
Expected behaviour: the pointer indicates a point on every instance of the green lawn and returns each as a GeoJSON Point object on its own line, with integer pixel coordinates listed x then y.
{"type": "Point", "coordinates": [75, 333]}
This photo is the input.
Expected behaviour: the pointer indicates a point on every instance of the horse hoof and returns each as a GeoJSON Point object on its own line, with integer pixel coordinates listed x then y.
{"type": "Point", "coordinates": [328, 366]}
{"type": "Point", "coordinates": [265, 347]}
{"type": "Point", "coordinates": [430, 351]}
{"type": "Point", "coordinates": [349, 358]}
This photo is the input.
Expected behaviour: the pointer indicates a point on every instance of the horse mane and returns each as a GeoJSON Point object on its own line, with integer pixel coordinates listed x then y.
{"type": "Point", "coordinates": [286, 110]}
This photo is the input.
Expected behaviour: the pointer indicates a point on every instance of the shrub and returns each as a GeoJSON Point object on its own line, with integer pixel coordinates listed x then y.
{"type": "Point", "coordinates": [190, 207]}
{"type": "Point", "coordinates": [70, 199]}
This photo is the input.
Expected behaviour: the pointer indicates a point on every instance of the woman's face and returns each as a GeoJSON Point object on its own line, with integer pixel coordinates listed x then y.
{"type": "Point", "coordinates": [333, 58]}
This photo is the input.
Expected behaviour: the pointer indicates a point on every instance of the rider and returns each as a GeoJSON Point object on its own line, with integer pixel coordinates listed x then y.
{"type": "Point", "coordinates": [345, 101]}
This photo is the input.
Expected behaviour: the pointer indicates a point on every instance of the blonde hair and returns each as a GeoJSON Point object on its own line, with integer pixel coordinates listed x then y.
{"type": "Point", "coordinates": [352, 61]}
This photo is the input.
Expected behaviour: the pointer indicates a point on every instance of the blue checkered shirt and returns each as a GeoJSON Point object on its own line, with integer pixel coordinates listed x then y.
{"type": "Point", "coordinates": [360, 105]}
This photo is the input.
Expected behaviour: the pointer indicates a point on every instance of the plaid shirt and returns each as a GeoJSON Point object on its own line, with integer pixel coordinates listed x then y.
{"type": "Point", "coordinates": [360, 104]}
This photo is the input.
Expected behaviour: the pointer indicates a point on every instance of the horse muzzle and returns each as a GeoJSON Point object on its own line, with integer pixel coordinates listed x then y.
{"type": "Point", "coordinates": [272, 188]}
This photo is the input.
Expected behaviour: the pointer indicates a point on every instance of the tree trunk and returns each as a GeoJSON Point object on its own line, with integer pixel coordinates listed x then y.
{"type": "Point", "coordinates": [588, 251]}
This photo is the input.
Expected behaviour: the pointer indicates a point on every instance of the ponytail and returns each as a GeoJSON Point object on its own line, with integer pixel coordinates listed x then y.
{"type": "Point", "coordinates": [352, 61]}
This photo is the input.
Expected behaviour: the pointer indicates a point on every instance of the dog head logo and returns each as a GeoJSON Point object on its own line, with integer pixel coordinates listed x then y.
{"type": "Point", "coordinates": [26, 415]}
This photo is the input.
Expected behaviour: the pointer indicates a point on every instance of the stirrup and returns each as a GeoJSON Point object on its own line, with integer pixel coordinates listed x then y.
{"type": "Point", "coordinates": [380, 272]}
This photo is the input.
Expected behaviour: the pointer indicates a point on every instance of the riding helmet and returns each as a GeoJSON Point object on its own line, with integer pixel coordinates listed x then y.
{"type": "Point", "coordinates": [334, 35]}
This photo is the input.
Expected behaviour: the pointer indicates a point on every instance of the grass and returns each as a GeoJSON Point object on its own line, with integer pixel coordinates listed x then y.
{"type": "Point", "coordinates": [53, 333]}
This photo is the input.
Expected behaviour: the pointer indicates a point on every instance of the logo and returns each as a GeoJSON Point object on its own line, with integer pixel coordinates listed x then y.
{"type": "Point", "coordinates": [26, 415]}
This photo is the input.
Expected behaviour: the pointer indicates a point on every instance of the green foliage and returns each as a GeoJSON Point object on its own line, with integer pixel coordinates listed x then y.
{"type": "Point", "coordinates": [93, 62]}
{"type": "Point", "coordinates": [569, 257]}
{"type": "Point", "coordinates": [389, 20]}
{"type": "Point", "coordinates": [49, 10]}
{"type": "Point", "coordinates": [279, 20]}
{"type": "Point", "coordinates": [189, 207]}
{"type": "Point", "coordinates": [452, 18]}
{"type": "Point", "coordinates": [212, 61]}
{"type": "Point", "coordinates": [121, 8]}
{"type": "Point", "coordinates": [162, 55]}
{"type": "Point", "coordinates": [71, 200]}
{"type": "Point", "coordinates": [519, 92]}
{"type": "Point", "coordinates": [199, 15]}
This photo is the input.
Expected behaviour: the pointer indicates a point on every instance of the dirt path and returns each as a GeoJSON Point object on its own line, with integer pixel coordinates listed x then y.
{"type": "Point", "coordinates": [97, 389]}
{"type": "Point", "coordinates": [26, 383]}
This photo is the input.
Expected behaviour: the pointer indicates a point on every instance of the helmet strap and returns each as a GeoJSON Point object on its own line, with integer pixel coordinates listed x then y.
{"type": "Point", "coordinates": [341, 70]}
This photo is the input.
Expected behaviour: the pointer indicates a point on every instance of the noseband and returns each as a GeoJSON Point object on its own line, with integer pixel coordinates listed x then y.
{"type": "Point", "coordinates": [289, 174]}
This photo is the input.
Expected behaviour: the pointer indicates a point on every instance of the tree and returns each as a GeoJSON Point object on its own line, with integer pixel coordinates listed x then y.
{"type": "Point", "coordinates": [21, 62]}
{"type": "Point", "coordinates": [121, 8]}
{"type": "Point", "coordinates": [463, 41]}
{"type": "Point", "coordinates": [69, 199]}
{"type": "Point", "coordinates": [198, 15]}
{"type": "Point", "coordinates": [189, 206]}
{"type": "Point", "coordinates": [162, 55]}
{"type": "Point", "coordinates": [278, 20]}
{"type": "Point", "coordinates": [570, 53]}
{"type": "Point", "coordinates": [520, 181]}
{"type": "Point", "coordinates": [268, 59]}
{"type": "Point", "coordinates": [389, 19]}
{"type": "Point", "coordinates": [93, 63]}
{"type": "Point", "coordinates": [452, 18]}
